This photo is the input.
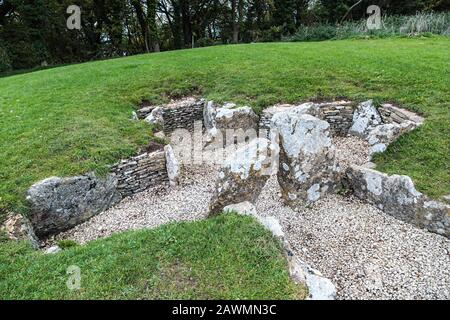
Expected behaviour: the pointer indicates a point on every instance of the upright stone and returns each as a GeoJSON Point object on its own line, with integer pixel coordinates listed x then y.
{"type": "Point", "coordinates": [307, 167]}
{"type": "Point", "coordinates": [172, 165]}
{"type": "Point", "coordinates": [243, 118]}
{"type": "Point", "coordinates": [243, 174]}
{"type": "Point", "coordinates": [156, 116]}
{"type": "Point", "coordinates": [383, 135]}
{"type": "Point", "coordinates": [209, 120]}
{"type": "Point", "coordinates": [365, 119]}
{"type": "Point", "coordinates": [397, 196]}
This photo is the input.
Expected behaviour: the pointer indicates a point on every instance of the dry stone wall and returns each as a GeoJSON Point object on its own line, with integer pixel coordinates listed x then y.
{"type": "Point", "coordinates": [183, 117]}
{"type": "Point", "coordinates": [338, 114]}
{"type": "Point", "coordinates": [139, 173]}
{"type": "Point", "coordinates": [392, 114]}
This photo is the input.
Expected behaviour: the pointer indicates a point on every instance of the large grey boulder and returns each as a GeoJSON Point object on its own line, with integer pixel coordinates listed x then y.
{"type": "Point", "coordinates": [397, 196]}
{"type": "Point", "coordinates": [307, 166]}
{"type": "Point", "coordinates": [243, 118]}
{"type": "Point", "coordinates": [243, 174]}
{"type": "Point", "coordinates": [383, 135]}
{"type": "Point", "coordinates": [57, 204]}
{"type": "Point", "coordinates": [365, 119]}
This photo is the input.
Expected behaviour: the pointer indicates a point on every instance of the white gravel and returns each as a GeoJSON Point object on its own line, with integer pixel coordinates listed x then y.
{"type": "Point", "coordinates": [151, 208]}
{"type": "Point", "coordinates": [366, 253]}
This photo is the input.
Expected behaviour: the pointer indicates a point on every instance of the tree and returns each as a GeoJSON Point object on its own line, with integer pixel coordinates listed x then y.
{"type": "Point", "coordinates": [284, 15]}
{"type": "Point", "coordinates": [153, 29]}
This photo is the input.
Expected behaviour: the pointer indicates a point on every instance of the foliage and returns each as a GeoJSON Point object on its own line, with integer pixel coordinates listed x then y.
{"type": "Point", "coordinates": [5, 62]}
{"type": "Point", "coordinates": [34, 32]}
{"type": "Point", "coordinates": [418, 24]}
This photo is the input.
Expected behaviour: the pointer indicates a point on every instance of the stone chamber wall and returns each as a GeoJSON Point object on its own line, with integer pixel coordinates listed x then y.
{"type": "Point", "coordinates": [338, 115]}
{"type": "Point", "coordinates": [393, 114]}
{"type": "Point", "coordinates": [149, 169]}
{"type": "Point", "coordinates": [141, 172]}
{"type": "Point", "coordinates": [183, 117]}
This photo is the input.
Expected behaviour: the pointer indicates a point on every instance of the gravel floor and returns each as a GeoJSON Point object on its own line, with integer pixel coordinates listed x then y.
{"type": "Point", "coordinates": [366, 253]}
{"type": "Point", "coordinates": [151, 208]}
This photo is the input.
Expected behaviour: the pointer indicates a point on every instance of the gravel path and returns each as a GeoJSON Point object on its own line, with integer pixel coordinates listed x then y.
{"type": "Point", "coordinates": [366, 253]}
{"type": "Point", "coordinates": [151, 208]}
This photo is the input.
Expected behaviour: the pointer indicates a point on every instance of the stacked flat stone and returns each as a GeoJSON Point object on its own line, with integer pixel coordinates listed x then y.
{"type": "Point", "coordinates": [393, 114]}
{"type": "Point", "coordinates": [339, 115]}
{"type": "Point", "coordinates": [183, 117]}
{"type": "Point", "coordinates": [139, 173]}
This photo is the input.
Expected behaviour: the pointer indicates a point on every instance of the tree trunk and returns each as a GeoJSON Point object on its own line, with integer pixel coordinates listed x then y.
{"type": "Point", "coordinates": [152, 27]}
{"type": "Point", "coordinates": [177, 30]}
{"type": "Point", "coordinates": [142, 22]}
{"type": "Point", "coordinates": [186, 22]}
{"type": "Point", "coordinates": [234, 24]}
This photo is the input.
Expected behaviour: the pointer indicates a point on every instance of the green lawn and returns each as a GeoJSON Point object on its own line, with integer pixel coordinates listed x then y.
{"type": "Point", "coordinates": [226, 257]}
{"type": "Point", "coordinates": [74, 119]}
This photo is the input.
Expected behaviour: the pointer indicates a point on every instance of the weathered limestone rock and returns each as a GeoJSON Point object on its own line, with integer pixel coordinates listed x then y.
{"type": "Point", "coordinates": [243, 118]}
{"type": "Point", "coordinates": [57, 204]}
{"type": "Point", "coordinates": [383, 135]}
{"type": "Point", "coordinates": [209, 120]}
{"type": "Point", "coordinates": [156, 116]}
{"type": "Point", "coordinates": [243, 175]}
{"type": "Point", "coordinates": [229, 105]}
{"type": "Point", "coordinates": [172, 165]}
{"type": "Point", "coordinates": [446, 198]}
{"type": "Point", "coordinates": [397, 196]}
{"type": "Point", "coordinates": [307, 167]}
{"type": "Point", "coordinates": [365, 118]}
{"type": "Point", "coordinates": [243, 208]}
{"type": "Point", "coordinates": [53, 250]}
{"type": "Point", "coordinates": [144, 112]}
{"type": "Point", "coordinates": [310, 108]}
{"type": "Point", "coordinates": [19, 228]}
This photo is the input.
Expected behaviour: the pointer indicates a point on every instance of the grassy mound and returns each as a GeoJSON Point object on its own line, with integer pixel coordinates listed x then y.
{"type": "Point", "coordinates": [226, 257]}
{"type": "Point", "coordinates": [73, 119]}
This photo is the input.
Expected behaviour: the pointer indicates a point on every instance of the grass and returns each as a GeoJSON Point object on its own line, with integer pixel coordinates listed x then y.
{"type": "Point", "coordinates": [226, 257]}
{"type": "Point", "coordinates": [73, 119]}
